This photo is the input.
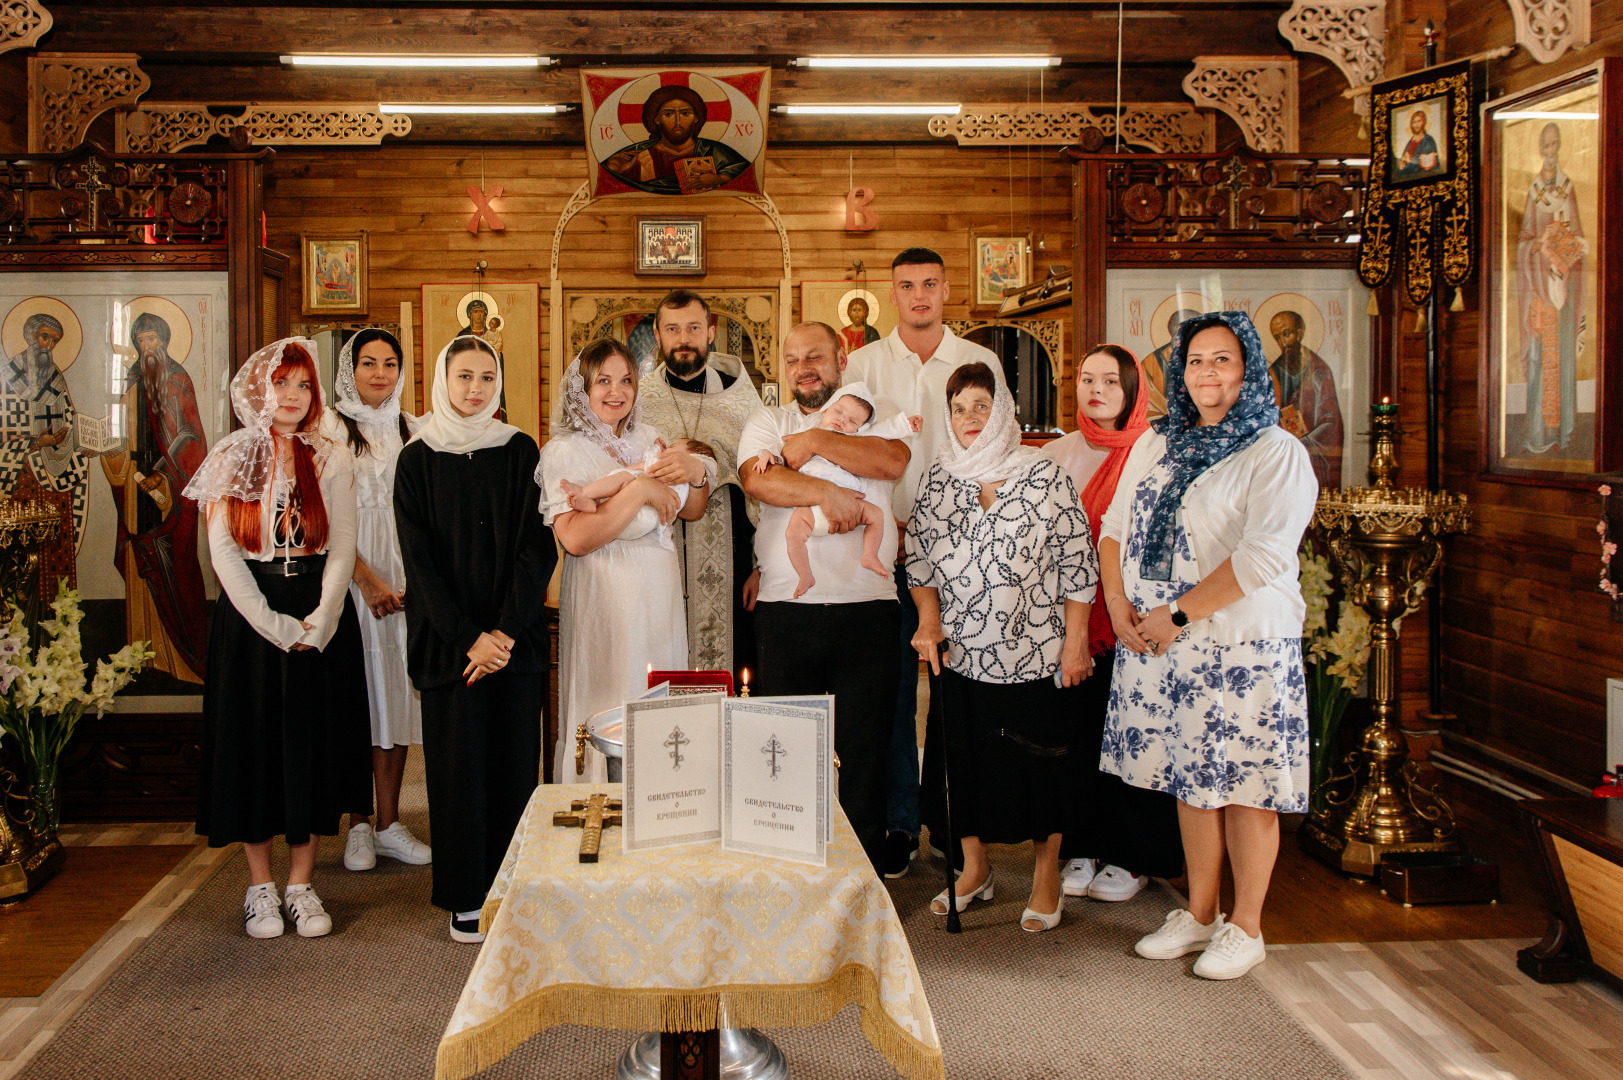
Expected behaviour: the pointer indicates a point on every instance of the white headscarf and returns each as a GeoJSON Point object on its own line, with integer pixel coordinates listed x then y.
{"type": "Point", "coordinates": [574, 413]}
{"type": "Point", "coordinates": [447, 430]}
{"type": "Point", "coordinates": [382, 417]}
{"type": "Point", "coordinates": [243, 464]}
{"type": "Point", "coordinates": [996, 454]}
{"type": "Point", "coordinates": [860, 391]}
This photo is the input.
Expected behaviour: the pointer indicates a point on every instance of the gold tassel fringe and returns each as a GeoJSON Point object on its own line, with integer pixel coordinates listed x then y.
{"type": "Point", "coordinates": [656, 1009]}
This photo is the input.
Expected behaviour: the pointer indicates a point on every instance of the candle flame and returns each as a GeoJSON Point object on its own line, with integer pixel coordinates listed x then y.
{"type": "Point", "coordinates": [1386, 400]}
{"type": "Point", "coordinates": [746, 676]}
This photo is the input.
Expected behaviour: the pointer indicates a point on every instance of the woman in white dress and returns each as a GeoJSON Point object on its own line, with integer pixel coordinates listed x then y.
{"type": "Point", "coordinates": [1209, 701]}
{"type": "Point", "coordinates": [367, 418]}
{"type": "Point", "coordinates": [620, 605]}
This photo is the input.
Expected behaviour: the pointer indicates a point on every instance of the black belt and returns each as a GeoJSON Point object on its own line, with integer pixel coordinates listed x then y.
{"type": "Point", "coordinates": [289, 567]}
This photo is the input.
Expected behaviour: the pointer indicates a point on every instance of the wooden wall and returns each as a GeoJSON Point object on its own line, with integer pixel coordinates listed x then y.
{"type": "Point", "coordinates": [412, 200]}
{"type": "Point", "coordinates": [1527, 641]}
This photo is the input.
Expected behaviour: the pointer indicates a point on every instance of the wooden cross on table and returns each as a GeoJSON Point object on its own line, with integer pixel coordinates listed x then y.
{"type": "Point", "coordinates": [592, 815]}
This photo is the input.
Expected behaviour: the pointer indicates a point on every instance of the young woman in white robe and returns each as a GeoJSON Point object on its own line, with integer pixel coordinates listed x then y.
{"type": "Point", "coordinates": [620, 605]}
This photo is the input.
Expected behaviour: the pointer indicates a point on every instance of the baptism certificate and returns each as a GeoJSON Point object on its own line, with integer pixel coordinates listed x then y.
{"type": "Point", "coordinates": [672, 771]}
{"type": "Point", "coordinates": [777, 777]}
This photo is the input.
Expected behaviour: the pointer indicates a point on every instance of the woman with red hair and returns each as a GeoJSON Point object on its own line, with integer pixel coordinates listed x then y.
{"type": "Point", "coordinates": [285, 737]}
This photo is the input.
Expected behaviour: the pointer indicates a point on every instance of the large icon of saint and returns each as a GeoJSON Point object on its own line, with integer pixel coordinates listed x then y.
{"type": "Point", "coordinates": [856, 331]}
{"type": "Point", "coordinates": [675, 132]}
{"type": "Point", "coordinates": [40, 458]}
{"type": "Point", "coordinates": [1418, 156]}
{"type": "Point", "coordinates": [1305, 388]}
{"type": "Point", "coordinates": [156, 548]}
{"type": "Point", "coordinates": [1550, 277]}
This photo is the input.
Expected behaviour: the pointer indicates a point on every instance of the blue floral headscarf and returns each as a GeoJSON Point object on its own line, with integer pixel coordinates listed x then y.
{"type": "Point", "coordinates": [1192, 449]}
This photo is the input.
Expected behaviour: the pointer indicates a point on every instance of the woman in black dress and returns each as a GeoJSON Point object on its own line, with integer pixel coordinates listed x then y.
{"type": "Point", "coordinates": [478, 557]}
{"type": "Point", "coordinates": [285, 739]}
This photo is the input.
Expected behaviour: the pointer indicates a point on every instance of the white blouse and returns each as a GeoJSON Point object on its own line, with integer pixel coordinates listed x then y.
{"type": "Point", "coordinates": [1251, 508]}
{"type": "Point", "coordinates": [231, 561]}
{"type": "Point", "coordinates": [1003, 574]}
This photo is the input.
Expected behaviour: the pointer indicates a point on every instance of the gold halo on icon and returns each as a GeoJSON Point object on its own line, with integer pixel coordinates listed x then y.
{"type": "Point", "coordinates": [180, 327]}
{"type": "Point", "coordinates": [492, 309]}
{"type": "Point", "coordinates": [66, 351]}
{"type": "Point", "coordinates": [845, 301]}
{"type": "Point", "coordinates": [1178, 301]}
{"type": "Point", "coordinates": [1312, 337]}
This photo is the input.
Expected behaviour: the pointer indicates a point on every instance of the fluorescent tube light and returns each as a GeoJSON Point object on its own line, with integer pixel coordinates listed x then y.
{"type": "Point", "coordinates": [865, 110]}
{"type": "Point", "coordinates": [1537, 115]}
{"type": "Point", "coordinates": [469, 109]}
{"type": "Point", "coordinates": [928, 61]}
{"type": "Point", "coordinates": [384, 60]}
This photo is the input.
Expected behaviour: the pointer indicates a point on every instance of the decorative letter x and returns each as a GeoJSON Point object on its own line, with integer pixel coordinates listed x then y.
{"type": "Point", "coordinates": [483, 209]}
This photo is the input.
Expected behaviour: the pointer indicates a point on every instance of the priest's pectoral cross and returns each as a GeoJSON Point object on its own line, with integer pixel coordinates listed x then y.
{"type": "Point", "coordinates": [676, 741]}
{"type": "Point", "coordinates": [773, 751]}
{"type": "Point", "coordinates": [592, 815]}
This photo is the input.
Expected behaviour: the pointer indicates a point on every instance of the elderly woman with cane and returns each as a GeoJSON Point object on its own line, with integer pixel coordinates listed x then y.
{"type": "Point", "coordinates": [1209, 701]}
{"type": "Point", "coordinates": [1005, 572]}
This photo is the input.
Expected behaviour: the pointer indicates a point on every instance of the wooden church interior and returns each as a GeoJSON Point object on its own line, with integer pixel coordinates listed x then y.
{"type": "Point", "coordinates": [1165, 146]}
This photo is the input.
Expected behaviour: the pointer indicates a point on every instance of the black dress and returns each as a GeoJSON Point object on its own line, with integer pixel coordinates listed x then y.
{"type": "Point", "coordinates": [478, 558]}
{"type": "Point", "coordinates": [286, 736]}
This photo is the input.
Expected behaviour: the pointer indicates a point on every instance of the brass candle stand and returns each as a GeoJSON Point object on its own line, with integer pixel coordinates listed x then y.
{"type": "Point", "coordinates": [29, 850]}
{"type": "Point", "coordinates": [1387, 543]}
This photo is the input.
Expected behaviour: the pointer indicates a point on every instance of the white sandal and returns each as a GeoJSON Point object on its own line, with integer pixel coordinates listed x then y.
{"type": "Point", "coordinates": [1048, 921]}
{"type": "Point", "coordinates": [982, 893]}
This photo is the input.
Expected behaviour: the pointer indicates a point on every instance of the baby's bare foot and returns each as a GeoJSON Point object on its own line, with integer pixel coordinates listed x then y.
{"type": "Point", "coordinates": [876, 566]}
{"type": "Point", "coordinates": [806, 583]}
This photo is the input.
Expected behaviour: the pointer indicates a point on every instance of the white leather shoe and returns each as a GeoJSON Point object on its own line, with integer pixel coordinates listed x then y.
{"type": "Point", "coordinates": [359, 850]}
{"type": "Point", "coordinates": [1076, 877]}
{"type": "Point", "coordinates": [1048, 921]}
{"type": "Point", "coordinates": [397, 842]}
{"type": "Point", "coordinates": [1232, 953]}
{"type": "Point", "coordinates": [982, 893]}
{"type": "Point", "coordinates": [1114, 883]}
{"type": "Point", "coordinates": [1180, 934]}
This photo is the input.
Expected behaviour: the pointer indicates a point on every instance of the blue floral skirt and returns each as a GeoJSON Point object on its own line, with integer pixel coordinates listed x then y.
{"type": "Point", "coordinates": [1212, 725]}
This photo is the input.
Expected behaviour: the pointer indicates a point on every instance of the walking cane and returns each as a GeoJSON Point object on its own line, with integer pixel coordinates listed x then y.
{"type": "Point", "coordinates": [939, 707]}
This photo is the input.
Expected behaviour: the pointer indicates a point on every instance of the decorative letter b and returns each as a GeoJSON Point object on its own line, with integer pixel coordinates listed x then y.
{"type": "Point", "coordinates": [858, 218]}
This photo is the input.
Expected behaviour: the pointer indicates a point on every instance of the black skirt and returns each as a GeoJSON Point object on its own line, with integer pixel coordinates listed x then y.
{"type": "Point", "coordinates": [1016, 752]}
{"type": "Point", "coordinates": [287, 742]}
{"type": "Point", "coordinates": [1132, 827]}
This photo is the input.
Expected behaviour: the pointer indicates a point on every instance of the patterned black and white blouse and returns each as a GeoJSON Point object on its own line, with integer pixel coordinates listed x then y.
{"type": "Point", "coordinates": [1003, 574]}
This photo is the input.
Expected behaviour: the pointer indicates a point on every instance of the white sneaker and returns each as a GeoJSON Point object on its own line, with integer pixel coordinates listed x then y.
{"type": "Point", "coordinates": [397, 842]}
{"type": "Point", "coordinates": [262, 911]}
{"type": "Point", "coordinates": [360, 850]}
{"type": "Point", "coordinates": [1180, 934]}
{"type": "Point", "coordinates": [303, 906]}
{"type": "Point", "coordinates": [1078, 873]}
{"type": "Point", "coordinates": [1114, 883]}
{"type": "Point", "coordinates": [1232, 953]}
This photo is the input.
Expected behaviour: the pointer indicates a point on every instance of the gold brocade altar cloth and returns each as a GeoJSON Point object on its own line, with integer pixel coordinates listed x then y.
{"type": "Point", "coordinates": [653, 941]}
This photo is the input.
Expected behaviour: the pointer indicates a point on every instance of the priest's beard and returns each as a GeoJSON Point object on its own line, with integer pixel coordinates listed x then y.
{"type": "Point", "coordinates": [685, 363]}
{"type": "Point", "coordinates": [1290, 357]}
{"type": "Point", "coordinates": [41, 366]}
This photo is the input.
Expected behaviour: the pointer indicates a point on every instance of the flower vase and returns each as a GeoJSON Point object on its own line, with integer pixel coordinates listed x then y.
{"type": "Point", "coordinates": [45, 801]}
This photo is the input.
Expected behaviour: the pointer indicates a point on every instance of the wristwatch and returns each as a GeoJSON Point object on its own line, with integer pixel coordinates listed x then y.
{"type": "Point", "coordinates": [1179, 618]}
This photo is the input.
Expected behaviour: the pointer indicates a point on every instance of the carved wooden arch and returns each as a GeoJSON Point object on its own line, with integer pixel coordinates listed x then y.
{"type": "Point", "coordinates": [556, 334]}
{"type": "Point", "coordinates": [591, 311]}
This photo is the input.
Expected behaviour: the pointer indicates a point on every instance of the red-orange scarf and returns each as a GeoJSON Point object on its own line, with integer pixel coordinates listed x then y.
{"type": "Point", "coordinates": [1102, 488]}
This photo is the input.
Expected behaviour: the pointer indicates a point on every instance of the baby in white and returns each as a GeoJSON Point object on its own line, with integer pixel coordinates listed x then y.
{"type": "Point", "coordinates": [585, 499]}
{"type": "Point", "coordinates": [850, 411]}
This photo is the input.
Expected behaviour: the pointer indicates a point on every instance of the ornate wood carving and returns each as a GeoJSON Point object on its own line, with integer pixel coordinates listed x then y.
{"type": "Point", "coordinates": [67, 91]}
{"type": "Point", "coordinates": [1165, 127]}
{"type": "Point", "coordinates": [22, 23]}
{"type": "Point", "coordinates": [1351, 34]}
{"type": "Point", "coordinates": [1050, 332]}
{"type": "Point", "coordinates": [1240, 206]}
{"type": "Point", "coordinates": [1548, 28]}
{"type": "Point", "coordinates": [582, 198]}
{"type": "Point", "coordinates": [165, 127]}
{"type": "Point", "coordinates": [1259, 92]}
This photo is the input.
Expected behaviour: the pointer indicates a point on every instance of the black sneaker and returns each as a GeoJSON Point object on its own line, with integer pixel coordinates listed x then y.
{"type": "Point", "coordinates": [466, 931]}
{"type": "Point", "coordinates": [899, 851]}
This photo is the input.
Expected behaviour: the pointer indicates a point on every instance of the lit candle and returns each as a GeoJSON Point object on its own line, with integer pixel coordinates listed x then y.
{"type": "Point", "coordinates": [1385, 408]}
{"type": "Point", "coordinates": [745, 692]}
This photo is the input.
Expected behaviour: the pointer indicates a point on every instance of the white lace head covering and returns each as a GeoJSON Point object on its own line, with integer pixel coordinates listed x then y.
{"type": "Point", "coordinates": [348, 396]}
{"type": "Point", "coordinates": [243, 464]}
{"type": "Point", "coordinates": [447, 430]}
{"type": "Point", "coordinates": [574, 410]}
{"type": "Point", "coordinates": [996, 454]}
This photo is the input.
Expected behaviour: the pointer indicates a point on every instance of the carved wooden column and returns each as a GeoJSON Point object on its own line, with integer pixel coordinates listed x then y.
{"type": "Point", "coordinates": [67, 91]}
{"type": "Point", "coordinates": [22, 23]}
{"type": "Point", "coordinates": [1259, 92]}
{"type": "Point", "coordinates": [1548, 28]}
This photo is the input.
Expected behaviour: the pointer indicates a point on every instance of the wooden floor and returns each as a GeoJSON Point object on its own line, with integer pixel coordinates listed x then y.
{"type": "Point", "coordinates": [1416, 993]}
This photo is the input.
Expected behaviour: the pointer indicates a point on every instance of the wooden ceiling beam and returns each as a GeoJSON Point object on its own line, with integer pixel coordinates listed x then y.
{"type": "Point", "coordinates": [644, 34]}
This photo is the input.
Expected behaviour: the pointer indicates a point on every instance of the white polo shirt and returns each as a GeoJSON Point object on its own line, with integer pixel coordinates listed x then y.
{"type": "Point", "coordinates": [835, 560]}
{"type": "Point", "coordinates": [919, 389]}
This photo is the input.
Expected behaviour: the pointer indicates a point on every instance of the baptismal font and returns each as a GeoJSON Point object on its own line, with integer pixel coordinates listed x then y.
{"type": "Point", "coordinates": [1387, 544]}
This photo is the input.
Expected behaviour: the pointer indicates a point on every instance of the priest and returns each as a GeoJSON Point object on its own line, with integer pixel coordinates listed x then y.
{"type": "Point", "coordinates": [705, 397]}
